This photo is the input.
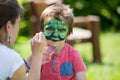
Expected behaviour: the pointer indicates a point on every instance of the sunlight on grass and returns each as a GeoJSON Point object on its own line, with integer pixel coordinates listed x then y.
{"type": "Point", "coordinates": [23, 46]}
{"type": "Point", "coordinates": [103, 72]}
{"type": "Point", "coordinates": [110, 51]}
{"type": "Point", "coordinates": [110, 46]}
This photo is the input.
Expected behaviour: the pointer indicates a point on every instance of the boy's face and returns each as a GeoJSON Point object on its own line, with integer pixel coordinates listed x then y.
{"type": "Point", "coordinates": [55, 30]}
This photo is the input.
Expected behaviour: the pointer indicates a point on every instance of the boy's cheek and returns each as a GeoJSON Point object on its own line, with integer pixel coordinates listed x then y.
{"type": "Point", "coordinates": [47, 33]}
{"type": "Point", "coordinates": [63, 35]}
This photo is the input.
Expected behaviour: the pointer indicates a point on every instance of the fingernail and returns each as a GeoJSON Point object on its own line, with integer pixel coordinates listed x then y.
{"type": "Point", "coordinates": [41, 32]}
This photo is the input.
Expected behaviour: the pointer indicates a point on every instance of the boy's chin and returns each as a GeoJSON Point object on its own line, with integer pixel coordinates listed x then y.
{"type": "Point", "coordinates": [56, 41]}
{"type": "Point", "coordinates": [50, 42]}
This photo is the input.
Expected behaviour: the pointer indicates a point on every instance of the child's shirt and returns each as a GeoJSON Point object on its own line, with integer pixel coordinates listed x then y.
{"type": "Point", "coordinates": [64, 65]}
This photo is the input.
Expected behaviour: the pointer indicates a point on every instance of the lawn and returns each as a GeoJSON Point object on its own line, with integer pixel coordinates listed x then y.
{"type": "Point", "coordinates": [110, 51]}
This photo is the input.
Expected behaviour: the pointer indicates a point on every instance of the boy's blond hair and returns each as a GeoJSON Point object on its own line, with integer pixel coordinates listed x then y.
{"type": "Point", "coordinates": [60, 12]}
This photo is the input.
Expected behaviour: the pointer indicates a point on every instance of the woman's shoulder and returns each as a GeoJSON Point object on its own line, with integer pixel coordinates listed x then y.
{"type": "Point", "coordinates": [8, 52]}
{"type": "Point", "coordinates": [10, 60]}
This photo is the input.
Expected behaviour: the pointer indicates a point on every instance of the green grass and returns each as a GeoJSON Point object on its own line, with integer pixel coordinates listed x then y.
{"type": "Point", "coordinates": [110, 51]}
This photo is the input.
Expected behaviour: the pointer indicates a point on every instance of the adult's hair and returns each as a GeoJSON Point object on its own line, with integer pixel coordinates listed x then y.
{"type": "Point", "coordinates": [9, 11]}
{"type": "Point", "coordinates": [60, 12]}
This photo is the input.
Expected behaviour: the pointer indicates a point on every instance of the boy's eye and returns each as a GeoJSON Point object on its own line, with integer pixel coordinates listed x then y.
{"type": "Point", "coordinates": [49, 29]}
{"type": "Point", "coordinates": [62, 30]}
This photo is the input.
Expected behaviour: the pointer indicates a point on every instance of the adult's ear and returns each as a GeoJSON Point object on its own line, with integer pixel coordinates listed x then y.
{"type": "Point", "coordinates": [8, 27]}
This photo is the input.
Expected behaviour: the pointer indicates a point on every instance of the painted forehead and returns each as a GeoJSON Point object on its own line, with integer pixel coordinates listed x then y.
{"type": "Point", "coordinates": [56, 22]}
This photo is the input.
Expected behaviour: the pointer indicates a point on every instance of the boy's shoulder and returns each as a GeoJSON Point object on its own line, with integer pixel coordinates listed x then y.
{"type": "Point", "coordinates": [69, 49]}
{"type": "Point", "coordinates": [71, 53]}
{"type": "Point", "coordinates": [68, 46]}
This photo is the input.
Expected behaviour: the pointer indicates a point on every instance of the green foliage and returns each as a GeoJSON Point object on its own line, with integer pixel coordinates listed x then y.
{"type": "Point", "coordinates": [107, 10]}
{"type": "Point", "coordinates": [22, 46]}
{"type": "Point", "coordinates": [22, 1]}
{"type": "Point", "coordinates": [25, 26]}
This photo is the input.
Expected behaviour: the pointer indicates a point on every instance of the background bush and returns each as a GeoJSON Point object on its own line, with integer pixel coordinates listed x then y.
{"type": "Point", "coordinates": [107, 10]}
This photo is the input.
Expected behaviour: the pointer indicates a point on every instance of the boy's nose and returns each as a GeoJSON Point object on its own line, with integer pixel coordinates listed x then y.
{"type": "Point", "coordinates": [55, 33]}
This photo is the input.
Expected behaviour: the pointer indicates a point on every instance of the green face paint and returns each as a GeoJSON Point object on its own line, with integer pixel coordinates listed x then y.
{"type": "Point", "coordinates": [55, 30]}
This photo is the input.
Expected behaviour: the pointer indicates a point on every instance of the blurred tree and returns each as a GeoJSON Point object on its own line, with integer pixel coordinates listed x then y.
{"type": "Point", "coordinates": [24, 24]}
{"type": "Point", "coordinates": [107, 10]}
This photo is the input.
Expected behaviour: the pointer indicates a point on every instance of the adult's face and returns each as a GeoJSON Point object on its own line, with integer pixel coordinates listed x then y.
{"type": "Point", "coordinates": [13, 30]}
{"type": "Point", "coordinates": [55, 30]}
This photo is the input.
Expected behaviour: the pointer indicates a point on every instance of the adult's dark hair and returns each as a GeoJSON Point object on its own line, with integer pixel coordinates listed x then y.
{"type": "Point", "coordinates": [9, 10]}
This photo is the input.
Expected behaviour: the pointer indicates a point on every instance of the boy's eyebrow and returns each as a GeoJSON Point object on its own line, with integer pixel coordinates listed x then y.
{"type": "Point", "coordinates": [49, 27]}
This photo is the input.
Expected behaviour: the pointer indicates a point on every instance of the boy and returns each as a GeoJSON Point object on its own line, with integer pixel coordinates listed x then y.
{"type": "Point", "coordinates": [65, 63]}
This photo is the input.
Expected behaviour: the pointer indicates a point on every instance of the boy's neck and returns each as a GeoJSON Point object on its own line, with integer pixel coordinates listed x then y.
{"type": "Point", "coordinates": [59, 46]}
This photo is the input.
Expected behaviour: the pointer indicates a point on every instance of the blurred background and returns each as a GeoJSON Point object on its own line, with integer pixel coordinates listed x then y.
{"type": "Point", "coordinates": [109, 13]}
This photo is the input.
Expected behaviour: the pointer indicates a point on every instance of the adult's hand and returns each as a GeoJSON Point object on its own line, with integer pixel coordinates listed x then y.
{"type": "Point", "coordinates": [38, 43]}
